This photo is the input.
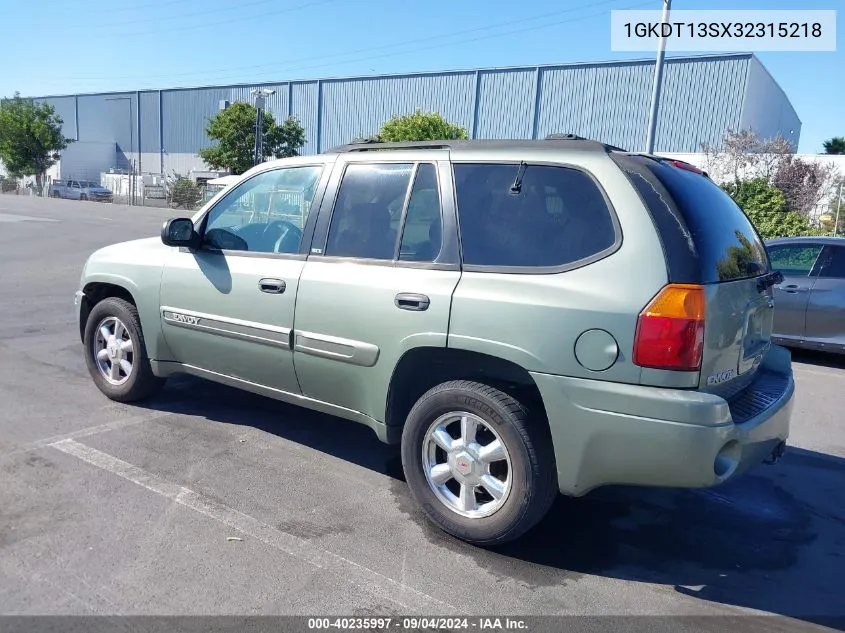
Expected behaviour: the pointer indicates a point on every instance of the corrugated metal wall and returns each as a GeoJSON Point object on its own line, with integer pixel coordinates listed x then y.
{"type": "Point", "coordinates": [358, 107]}
{"type": "Point", "coordinates": [506, 100]}
{"type": "Point", "coordinates": [702, 98]}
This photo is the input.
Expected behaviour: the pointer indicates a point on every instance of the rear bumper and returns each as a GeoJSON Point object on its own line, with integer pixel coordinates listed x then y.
{"type": "Point", "coordinates": [608, 433]}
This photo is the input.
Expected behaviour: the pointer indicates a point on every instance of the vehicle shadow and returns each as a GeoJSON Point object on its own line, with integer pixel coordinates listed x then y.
{"type": "Point", "coordinates": [820, 359]}
{"type": "Point", "coordinates": [773, 540]}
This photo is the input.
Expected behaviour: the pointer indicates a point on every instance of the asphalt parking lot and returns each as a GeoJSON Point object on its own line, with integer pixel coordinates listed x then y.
{"type": "Point", "coordinates": [114, 509]}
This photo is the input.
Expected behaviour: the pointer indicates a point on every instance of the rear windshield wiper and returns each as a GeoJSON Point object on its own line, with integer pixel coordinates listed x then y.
{"type": "Point", "coordinates": [516, 187]}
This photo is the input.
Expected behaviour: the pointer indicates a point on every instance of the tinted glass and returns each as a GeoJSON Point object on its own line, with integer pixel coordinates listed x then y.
{"type": "Point", "coordinates": [264, 214]}
{"type": "Point", "coordinates": [726, 243]}
{"type": "Point", "coordinates": [794, 260]}
{"type": "Point", "coordinates": [422, 233]}
{"type": "Point", "coordinates": [368, 211]}
{"type": "Point", "coordinates": [557, 217]}
{"type": "Point", "coordinates": [834, 263]}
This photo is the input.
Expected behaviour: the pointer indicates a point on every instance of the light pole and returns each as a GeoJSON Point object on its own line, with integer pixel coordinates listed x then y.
{"type": "Point", "coordinates": [260, 95]}
{"type": "Point", "coordinates": [658, 80]}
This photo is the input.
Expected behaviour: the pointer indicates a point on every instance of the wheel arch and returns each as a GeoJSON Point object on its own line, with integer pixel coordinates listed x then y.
{"type": "Point", "coordinates": [95, 291]}
{"type": "Point", "coordinates": [421, 368]}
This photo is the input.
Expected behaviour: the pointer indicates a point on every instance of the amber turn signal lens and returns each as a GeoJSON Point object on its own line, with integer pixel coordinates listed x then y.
{"type": "Point", "coordinates": [678, 301]}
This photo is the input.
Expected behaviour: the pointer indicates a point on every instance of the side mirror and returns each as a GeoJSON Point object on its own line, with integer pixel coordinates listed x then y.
{"type": "Point", "coordinates": [180, 232]}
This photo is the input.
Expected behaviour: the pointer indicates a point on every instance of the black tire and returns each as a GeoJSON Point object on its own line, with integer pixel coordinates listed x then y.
{"type": "Point", "coordinates": [141, 382]}
{"type": "Point", "coordinates": [83, 197]}
{"type": "Point", "coordinates": [528, 443]}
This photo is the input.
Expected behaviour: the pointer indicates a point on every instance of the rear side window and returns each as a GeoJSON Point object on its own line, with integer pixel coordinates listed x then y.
{"type": "Point", "coordinates": [794, 260]}
{"type": "Point", "coordinates": [706, 236]}
{"type": "Point", "coordinates": [368, 210]}
{"type": "Point", "coordinates": [530, 215]}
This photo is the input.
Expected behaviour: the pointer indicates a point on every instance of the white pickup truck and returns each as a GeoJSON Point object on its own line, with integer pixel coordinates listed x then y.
{"type": "Point", "coordinates": [81, 190]}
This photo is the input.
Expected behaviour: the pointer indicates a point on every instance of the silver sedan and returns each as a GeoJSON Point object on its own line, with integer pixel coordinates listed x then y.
{"type": "Point", "coordinates": [810, 301]}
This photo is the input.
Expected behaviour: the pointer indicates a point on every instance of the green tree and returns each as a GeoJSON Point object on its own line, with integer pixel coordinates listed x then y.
{"type": "Point", "coordinates": [836, 145]}
{"type": "Point", "coordinates": [420, 126]}
{"type": "Point", "coordinates": [184, 193]}
{"type": "Point", "coordinates": [30, 137]}
{"type": "Point", "coordinates": [234, 131]}
{"type": "Point", "coordinates": [767, 209]}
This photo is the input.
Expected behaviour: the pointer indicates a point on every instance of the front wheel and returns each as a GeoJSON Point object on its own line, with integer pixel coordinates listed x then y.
{"type": "Point", "coordinates": [115, 352]}
{"type": "Point", "coordinates": [83, 197]}
{"type": "Point", "coordinates": [479, 467]}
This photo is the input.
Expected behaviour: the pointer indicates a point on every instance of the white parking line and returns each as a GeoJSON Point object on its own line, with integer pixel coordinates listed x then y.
{"type": "Point", "coordinates": [120, 423]}
{"type": "Point", "coordinates": [364, 577]}
{"type": "Point", "coordinates": [14, 217]}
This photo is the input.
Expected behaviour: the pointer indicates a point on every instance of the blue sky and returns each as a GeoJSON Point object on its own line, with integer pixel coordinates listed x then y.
{"type": "Point", "coordinates": [92, 45]}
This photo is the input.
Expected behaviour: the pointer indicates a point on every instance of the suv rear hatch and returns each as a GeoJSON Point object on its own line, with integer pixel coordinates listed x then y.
{"type": "Point", "coordinates": [713, 252]}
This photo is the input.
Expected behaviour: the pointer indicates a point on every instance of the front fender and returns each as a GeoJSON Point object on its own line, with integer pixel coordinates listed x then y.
{"type": "Point", "coordinates": [136, 268]}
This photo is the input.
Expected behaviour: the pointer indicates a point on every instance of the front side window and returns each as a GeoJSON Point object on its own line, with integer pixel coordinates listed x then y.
{"type": "Point", "coordinates": [368, 211]}
{"type": "Point", "coordinates": [530, 215]}
{"type": "Point", "coordinates": [794, 260]}
{"type": "Point", "coordinates": [265, 214]}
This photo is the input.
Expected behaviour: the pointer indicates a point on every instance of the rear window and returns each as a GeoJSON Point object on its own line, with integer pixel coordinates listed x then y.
{"type": "Point", "coordinates": [706, 236]}
{"type": "Point", "coordinates": [530, 215]}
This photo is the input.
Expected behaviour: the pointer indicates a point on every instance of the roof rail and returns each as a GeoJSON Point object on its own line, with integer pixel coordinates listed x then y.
{"type": "Point", "coordinates": [373, 145]}
{"type": "Point", "coordinates": [565, 137]}
{"type": "Point", "coordinates": [557, 136]}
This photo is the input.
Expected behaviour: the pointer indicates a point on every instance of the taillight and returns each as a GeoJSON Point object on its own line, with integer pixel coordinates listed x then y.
{"type": "Point", "coordinates": [670, 330]}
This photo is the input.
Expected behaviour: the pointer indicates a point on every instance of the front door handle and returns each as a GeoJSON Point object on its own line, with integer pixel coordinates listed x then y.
{"type": "Point", "coordinates": [411, 301]}
{"type": "Point", "coordinates": [272, 286]}
{"type": "Point", "coordinates": [792, 288]}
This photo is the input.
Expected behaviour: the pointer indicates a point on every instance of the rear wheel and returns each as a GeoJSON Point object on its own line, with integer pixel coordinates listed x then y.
{"type": "Point", "coordinates": [115, 352]}
{"type": "Point", "coordinates": [83, 197]}
{"type": "Point", "coordinates": [477, 465]}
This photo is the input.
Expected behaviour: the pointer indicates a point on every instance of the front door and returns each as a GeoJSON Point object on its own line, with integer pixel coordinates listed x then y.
{"type": "Point", "coordinates": [797, 263]}
{"type": "Point", "coordinates": [228, 307]}
{"type": "Point", "coordinates": [379, 281]}
{"type": "Point", "coordinates": [826, 308]}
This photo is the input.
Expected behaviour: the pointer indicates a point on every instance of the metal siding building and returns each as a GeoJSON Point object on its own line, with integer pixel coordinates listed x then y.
{"type": "Point", "coordinates": [703, 97]}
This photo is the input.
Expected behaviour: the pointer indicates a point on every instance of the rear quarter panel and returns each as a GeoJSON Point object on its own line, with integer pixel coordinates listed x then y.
{"type": "Point", "coordinates": [534, 320]}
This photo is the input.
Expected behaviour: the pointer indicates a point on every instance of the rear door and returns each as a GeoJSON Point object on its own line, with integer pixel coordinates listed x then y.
{"type": "Point", "coordinates": [709, 241]}
{"type": "Point", "coordinates": [797, 263]}
{"type": "Point", "coordinates": [825, 326]}
{"type": "Point", "coordinates": [379, 279]}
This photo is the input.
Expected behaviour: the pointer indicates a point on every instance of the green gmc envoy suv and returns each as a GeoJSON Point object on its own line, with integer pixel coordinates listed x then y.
{"type": "Point", "coordinates": [523, 317]}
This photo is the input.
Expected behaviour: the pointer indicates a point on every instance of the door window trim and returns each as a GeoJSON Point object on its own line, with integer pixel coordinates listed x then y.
{"type": "Point", "coordinates": [307, 231]}
{"type": "Point", "coordinates": [447, 258]}
{"type": "Point", "coordinates": [541, 270]}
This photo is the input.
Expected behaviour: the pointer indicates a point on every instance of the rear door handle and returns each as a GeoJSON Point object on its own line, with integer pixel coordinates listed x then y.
{"type": "Point", "coordinates": [411, 301]}
{"type": "Point", "coordinates": [272, 286]}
